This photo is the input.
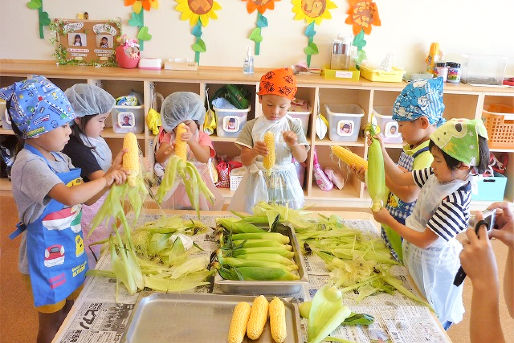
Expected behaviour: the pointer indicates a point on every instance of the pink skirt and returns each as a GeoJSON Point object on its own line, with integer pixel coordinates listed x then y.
{"type": "Point", "coordinates": [101, 231]}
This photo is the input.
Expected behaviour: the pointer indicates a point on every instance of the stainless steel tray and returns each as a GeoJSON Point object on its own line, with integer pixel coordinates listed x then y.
{"type": "Point", "coordinates": [282, 288]}
{"type": "Point", "coordinates": [195, 318]}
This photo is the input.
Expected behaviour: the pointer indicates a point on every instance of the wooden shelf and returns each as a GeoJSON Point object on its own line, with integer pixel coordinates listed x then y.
{"type": "Point", "coordinates": [6, 132]}
{"type": "Point", "coordinates": [349, 192]}
{"type": "Point", "coordinates": [215, 138]}
{"type": "Point", "coordinates": [5, 184]}
{"type": "Point", "coordinates": [109, 133]}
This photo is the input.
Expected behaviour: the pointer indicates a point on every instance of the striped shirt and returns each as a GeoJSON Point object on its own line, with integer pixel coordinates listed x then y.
{"type": "Point", "coordinates": [452, 215]}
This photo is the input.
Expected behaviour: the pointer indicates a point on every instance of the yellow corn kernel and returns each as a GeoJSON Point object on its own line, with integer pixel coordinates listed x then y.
{"type": "Point", "coordinates": [238, 323]}
{"type": "Point", "coordinates": [180, 145]}
{"type": "Point", "coordinates": [131, 158]}
{"type": "Point", "coordinates": [269, 159]}
{"type": "Point", "coordinates": [258, 317]}
{"type": "Point", "coordinates": [277, 320]}
{"type": "Point", "coordinates": [349, 157]}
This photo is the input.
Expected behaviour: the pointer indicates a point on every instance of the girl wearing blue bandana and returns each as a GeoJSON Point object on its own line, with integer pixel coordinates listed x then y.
{"type": "Point", "coordinates": [49, 192]}
{"type": "Point", "coordinates": [430, 250]}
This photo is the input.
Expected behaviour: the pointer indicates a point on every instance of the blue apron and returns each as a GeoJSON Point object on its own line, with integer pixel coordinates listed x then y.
{"type": "Point", "coordinates": [55, 246]}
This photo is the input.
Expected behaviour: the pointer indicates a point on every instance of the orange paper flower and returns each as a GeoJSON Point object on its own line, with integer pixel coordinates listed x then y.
{"type": "Point", "coordinates": [137, 5]}
{"type": "Point", "coordinates": [362, 14]}
{"type": "Point", "coordinates": [260, 5]}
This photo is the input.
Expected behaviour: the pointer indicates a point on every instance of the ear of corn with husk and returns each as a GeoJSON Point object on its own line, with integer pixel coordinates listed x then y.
{"type": "Point", "coordinates": [375, 175]}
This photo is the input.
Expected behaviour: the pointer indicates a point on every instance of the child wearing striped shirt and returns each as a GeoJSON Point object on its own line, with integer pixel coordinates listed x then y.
{"type": "Point", "coordinates": [430, 250]}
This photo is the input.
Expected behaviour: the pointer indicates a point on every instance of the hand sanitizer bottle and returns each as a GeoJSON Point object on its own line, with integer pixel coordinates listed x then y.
{"type": "Point", "coordinates": [248, 63]}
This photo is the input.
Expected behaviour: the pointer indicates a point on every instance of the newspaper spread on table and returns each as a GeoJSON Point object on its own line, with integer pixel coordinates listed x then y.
{"type": "Point", "coordinates": [101, 314]}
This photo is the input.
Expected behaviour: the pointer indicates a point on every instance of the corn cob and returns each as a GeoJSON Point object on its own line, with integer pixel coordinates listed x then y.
{"type": "Point", "coordinates": [238, 323]}
{"type": "Point", "coordinates": [277, 320]}
{"type": "Point", "coordinates": [375, 176]}
{"type": "Point", "coordinates": [180, 145]}
{"type": "Point", "coordinates": [258, 317]}
{"type": "Point", "coordinates": [269, 159]}
{"type": "Point", "coordinates": [349, 157]}
{"type": "Point", "coordinates": [131, 158]}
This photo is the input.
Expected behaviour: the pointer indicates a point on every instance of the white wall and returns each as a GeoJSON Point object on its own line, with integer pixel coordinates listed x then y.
{"type": "Point", "coordinates": [408, 28]}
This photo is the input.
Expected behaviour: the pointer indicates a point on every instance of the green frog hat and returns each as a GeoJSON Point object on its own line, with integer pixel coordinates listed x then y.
{"type": "Point", "coordinates": [459, 139]}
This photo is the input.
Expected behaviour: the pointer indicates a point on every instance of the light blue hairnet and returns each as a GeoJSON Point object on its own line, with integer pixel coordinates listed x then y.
{"type": "Point", "coordinates": [181, 106]}
{"type": "Point", "coordinates": [89, 100]}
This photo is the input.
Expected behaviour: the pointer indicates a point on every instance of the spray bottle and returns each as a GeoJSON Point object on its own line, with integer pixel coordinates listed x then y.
{"type": "Point", "coordinates": [248, 62]}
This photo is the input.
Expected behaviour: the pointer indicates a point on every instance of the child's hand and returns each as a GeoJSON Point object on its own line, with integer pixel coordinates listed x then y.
{"type": "Point", "coordinates": [360, 172]}
{"type": "Point", "coordinates": [377, 137]}
{"type": "Point", "coordinates": [117, 162]}
{"type": "Point", "coordinates": [478, 260]}
{"type": "Point", "coordinates": [260, 148]}
{"type": "Point", "coordinates": [188, 135]}
{"type": "Point", "coordinates": [504, 222]}
{"type": "Point", "coordinates": [118, 176]}
{"type": "Point", "coordinates": [382, 216]}
{"type": "Point", "coordinates": [290, 138]}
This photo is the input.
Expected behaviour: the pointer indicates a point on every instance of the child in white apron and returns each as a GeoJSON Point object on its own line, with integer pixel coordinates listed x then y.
{"type": "Point", "coordinates": [430, 250]}
{"type": "Point", "coordinates": [48, 192]}
{"type": "Point", "coordinates": [187, 108]}
{"type": "Point", "coordinates": [281, 185]}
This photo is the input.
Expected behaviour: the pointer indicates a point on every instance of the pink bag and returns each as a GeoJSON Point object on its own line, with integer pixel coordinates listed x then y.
{"type": "Point", "coordinates": [321, 179]}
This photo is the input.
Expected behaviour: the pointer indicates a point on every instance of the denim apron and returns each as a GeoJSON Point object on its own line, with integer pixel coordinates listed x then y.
{"type": "Point", "coordinates": [55, 247]}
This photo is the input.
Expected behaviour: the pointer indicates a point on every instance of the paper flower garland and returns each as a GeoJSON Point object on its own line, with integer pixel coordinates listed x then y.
{"type": "Point", "coordinates": [313, 12]}
{"type": "Point", "coordinates": [362, 14]}
{"type": "Point", "coordinates": [261, 6]}
{"type": "Point", "coordinates": [44, 20]}
{"type": "Point", "coordinates": [138, 19]}
{"type": "Point", "coordinates": [198, 12]}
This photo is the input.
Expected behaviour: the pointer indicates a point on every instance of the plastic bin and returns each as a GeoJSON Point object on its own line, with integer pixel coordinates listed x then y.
{"type": "Point", "coordinates": [5, 120]}
{"type": "Point", "coordinates": [301, 113]}
{"type": "Point", "coordinates": [236, 175]}
{"type": "Point", "coordinates": [499, 122]}
{"type": "Point", "coordinates": [395, 75]}
{"type": "Point", "coordinates": [344, 122]}
{"type": "Point", "coordinates": [490, 188]}
{"type": "Point", "coordinates": [128, 119]}
{"type": "Point", "coordinates": [388, 127]}
{"type": "Point", "coordinates": [230, 122]}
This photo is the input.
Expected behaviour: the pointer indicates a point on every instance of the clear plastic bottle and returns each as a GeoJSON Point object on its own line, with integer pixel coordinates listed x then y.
{"type": "Point", "coordinates": [248, 62]}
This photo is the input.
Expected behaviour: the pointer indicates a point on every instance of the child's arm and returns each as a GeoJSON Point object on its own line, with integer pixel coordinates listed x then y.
{"type": "Point", "coordinates": [394, 172]}
{"type": "Point", "coordinates": [420, 239]}
{"type": "Point", "coordinates": [405, 193]}
{"type": "Point", "coordinates": [164, 152]}
{"type": "Point", "coordinates": [116, 165]}
{"type": "Point", "coordinates": [298, 150]}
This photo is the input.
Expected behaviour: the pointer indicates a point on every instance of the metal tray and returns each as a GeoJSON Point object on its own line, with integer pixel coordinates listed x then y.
{"type": "Point", "coordinates": [196, 318]}
{"type": "Point", "coordinates": [282, 288]}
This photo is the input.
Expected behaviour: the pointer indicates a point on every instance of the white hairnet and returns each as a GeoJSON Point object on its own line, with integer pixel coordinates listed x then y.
{"type": "Point", "coordinates": [89, 100]}
{"type": "Point", "coordinates": [181, 106]}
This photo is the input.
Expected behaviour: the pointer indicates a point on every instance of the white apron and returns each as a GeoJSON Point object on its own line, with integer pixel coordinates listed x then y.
{"type": "Point", "coordinates": [281, 186]}
{"type": "Point", "coordinates": [433, 269]}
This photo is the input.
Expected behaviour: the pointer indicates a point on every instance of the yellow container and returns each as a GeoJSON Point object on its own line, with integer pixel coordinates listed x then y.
{"type": "Point", "coordinates": [348, 75]}
{"type": "Point", "coordinates": [395, 75]}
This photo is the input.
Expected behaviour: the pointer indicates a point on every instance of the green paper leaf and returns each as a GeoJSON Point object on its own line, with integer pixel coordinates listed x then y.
{"type": "Point", "coordinates": [309, 31]}
{"type": "Point", "coordinates": [359, 40]}
{"type": "Point", "coordinates": [197, 30]}
{"type": "Point", "coordinates": [143, 34]}
{"type": "Point", "coordinates": [261, 20]}
{"type": "Point", "coordinates": [256, 35]}
{"type": "Point", "coordinates": [361, 56]}
{"type": "Point", "coordinates": [311, 49]}
{"type": "Point", "coordinates": [34, 4]}
{"type": "Point", "coordinates": [136, 19]}
{"type": "Point", "coordinates": [199, 46]}
{"type": "Point", "coordinates": [44, 19]}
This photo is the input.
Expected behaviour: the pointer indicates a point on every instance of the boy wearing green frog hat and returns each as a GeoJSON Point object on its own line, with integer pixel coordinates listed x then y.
{"type": "Point", "coordinates": [430, 250]}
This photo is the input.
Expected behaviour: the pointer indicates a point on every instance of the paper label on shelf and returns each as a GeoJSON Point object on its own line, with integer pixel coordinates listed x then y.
{"type": "Point", "coordinates": [342, 74]}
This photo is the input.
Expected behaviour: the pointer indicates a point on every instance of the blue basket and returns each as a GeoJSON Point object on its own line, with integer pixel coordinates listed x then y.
{"type": "Point", "coordinates": [491, 188]}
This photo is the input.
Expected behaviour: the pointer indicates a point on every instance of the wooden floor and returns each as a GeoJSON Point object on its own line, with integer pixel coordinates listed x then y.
{"type": "Point", "coordinates": [18, 320]}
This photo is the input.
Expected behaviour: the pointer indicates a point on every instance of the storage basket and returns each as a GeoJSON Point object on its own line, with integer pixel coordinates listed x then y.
{"type": "Point", "coordinates": [236, 175]}
{"type": "Point", "coordinates": [344, 122]}
{"type": "Point", "coordinates": [388, 127]}
{"type": "Point", "coordinates": [230, 122]}
{"type": "Point", "coordinates": [499, 122]}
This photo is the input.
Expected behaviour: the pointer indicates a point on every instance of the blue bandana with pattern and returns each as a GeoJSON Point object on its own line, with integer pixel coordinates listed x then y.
{"type": "Point", "coordinates": [37, 106]}
{"type": "Point", "coordinates": [421, 98]}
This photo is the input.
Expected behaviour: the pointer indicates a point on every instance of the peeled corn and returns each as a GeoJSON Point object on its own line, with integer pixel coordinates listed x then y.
{"type": "Point", "coordinates": [277, 320]}
{"type": "Point", "coordinates": [180, 145]}
{"type": "Point", "coordinates": [238, 323]}
{"type": "Point", "coordinates": [131, 158]}
{"type": "Point", "coordinates": [349, 157]}
{"type": "Point", "coordinates": [258, 317]}
{"type": "Point", "coordinates": [269, 159]}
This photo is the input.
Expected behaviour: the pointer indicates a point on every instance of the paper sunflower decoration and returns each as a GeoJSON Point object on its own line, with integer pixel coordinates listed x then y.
{"type": "Point", "coordinates": [362, 14]}
{"type": "Point", "coordinates": [198, 12]}
{"type": "Point", "coordinates": [44, 20]}
{"type": "Point", "coordinates": [313, 12]}
{"type": "Point", "coordinates": [138, 18]}
{"type": "Point", "coordinates": [261, 6]}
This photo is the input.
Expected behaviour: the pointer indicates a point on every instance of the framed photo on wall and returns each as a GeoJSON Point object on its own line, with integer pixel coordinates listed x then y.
{"type": "Point", "coordinates": [86, 42]}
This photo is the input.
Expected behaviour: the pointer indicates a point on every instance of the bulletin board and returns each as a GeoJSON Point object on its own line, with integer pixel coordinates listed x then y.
{"type": "Point", "coordinates": [86, 42]}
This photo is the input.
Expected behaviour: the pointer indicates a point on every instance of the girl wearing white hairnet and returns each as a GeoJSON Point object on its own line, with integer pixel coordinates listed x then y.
{"type": "Point", "coordinates": [187, 108]}
{"type": "Point", "coordinates": [89, 151]}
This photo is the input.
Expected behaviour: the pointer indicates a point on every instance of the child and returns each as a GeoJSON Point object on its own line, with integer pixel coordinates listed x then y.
{"type": "Point", "coordinates": [77, 41]}
{"type": "Point", "coordinates": [89, 152]}
{"type": "Point", "coordinates": [418, 110]}
{"type": "Point", "coordinates": [276, 91]}
{"type": "Point", "coordinates": [187, 108]}
{"type": "Point", "coordinates": [48, 193]}
{"type": "Point", "coordinates": [430, 250]}
{"type": "Point", "coordinates": [104, 43]}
